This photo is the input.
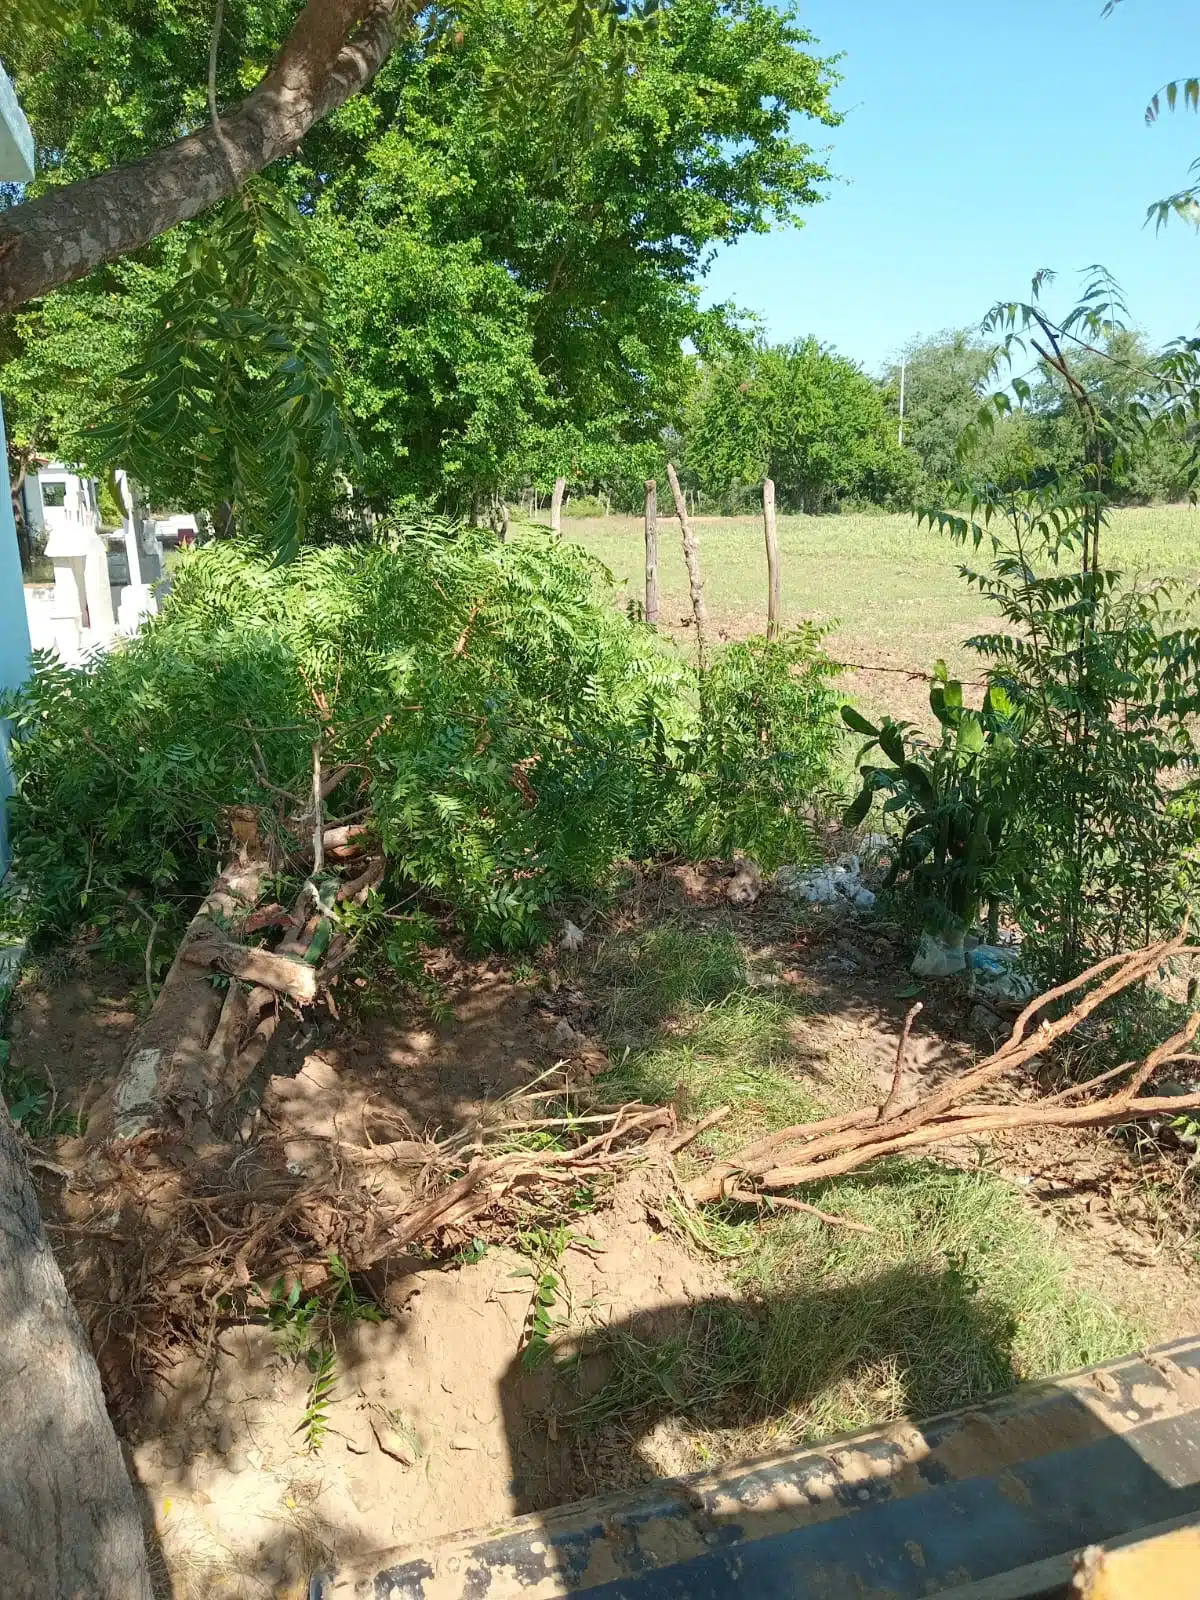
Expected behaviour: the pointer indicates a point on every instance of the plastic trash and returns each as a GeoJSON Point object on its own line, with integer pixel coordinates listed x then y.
{"type": "Point", "coordinates": [939, 956]}
{"type": "Point", "coordinates": [826, 886]}
{"type": "Point", "coordinates": [744, 888]}
{"type": "Point", "coordinates": [993, 959]}
{"type": "Point", "coordinates": [996, 974]}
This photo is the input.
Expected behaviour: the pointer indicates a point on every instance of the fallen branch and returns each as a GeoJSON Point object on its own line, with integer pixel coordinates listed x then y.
{"type": "Point", "coordinates": [748, 1197]}
{"type": "Point", "coordinates": [357, 889]}
{"type": "Point", "coordinates": [684, 1137]}
{"type": "Point", "coordinates": [285, 974]}
{"type": "Point", "coordinates": [815, 1152]}
{"type": "Point", "coordinates": [913, 1013]}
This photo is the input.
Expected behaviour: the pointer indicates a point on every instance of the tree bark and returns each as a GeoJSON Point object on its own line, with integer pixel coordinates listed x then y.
{"type": "Point", "coordinates": [652, 552]}
{"type": "Point", "coordinates": [691, 555]}
{"type": "Point", "coordinates": [774, 597]}
{"type": "Point", "coordinates": [69, 1522]}
{"type": "Point", "coordinates": [556, 500]}
{"type": "Point", "coordinates": [174, 1071]}
{"type": "Point", "coordinates": [334, 50]}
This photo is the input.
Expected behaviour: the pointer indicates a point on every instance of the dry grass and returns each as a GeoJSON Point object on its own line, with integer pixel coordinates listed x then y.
{"type": "Point", "coordinates": [891, 589]}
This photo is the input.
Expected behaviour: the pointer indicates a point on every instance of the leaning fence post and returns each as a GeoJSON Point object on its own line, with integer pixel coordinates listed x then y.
{"type": "Point", "coordinates": [556, 500]}
{"type": "Point", "coordinates": [652, 552]}
{"type": "Point", "coordinates": [691, 555]}
{"type": "Point", "coordinates": [773, 587]}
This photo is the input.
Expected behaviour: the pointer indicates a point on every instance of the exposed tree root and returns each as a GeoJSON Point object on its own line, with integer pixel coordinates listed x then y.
{"type": "Point", "coordinates": [814, 1152]}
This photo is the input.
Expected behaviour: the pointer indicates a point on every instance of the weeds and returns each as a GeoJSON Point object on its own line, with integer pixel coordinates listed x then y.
{"type": "Point", "coordinates": [31, 1101]}
{"type": "Point", "coordinates": [545, 1247]}
{"type": "Point", "coordinates": [957, 1294]}
{"type": "Point", "coordinates": [305, 1330]}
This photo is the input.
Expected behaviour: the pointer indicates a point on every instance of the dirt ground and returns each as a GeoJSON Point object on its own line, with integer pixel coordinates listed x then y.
{"type": "Point", "coordinates": [436, 1423]}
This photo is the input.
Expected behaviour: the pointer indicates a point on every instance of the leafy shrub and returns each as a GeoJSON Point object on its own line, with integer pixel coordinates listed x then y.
{"type": "Point", "coordinates": [1070, 794]}
{"type": "Point", "coordinates": [764, 749]}
{"type": "Point", "coordinates": [513, 732]}
{"type": "Point", "coordinates": [956, 796]}
{"type": "Point", "coordinates": [585, 505]}
{"type": "Point", "coordinates": [1107, 675]}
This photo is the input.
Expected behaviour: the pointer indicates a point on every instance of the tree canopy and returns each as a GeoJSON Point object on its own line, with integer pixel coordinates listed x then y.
{"type": "Point", "coordinates": [510, 238]}
{"type": "Point", "coordinates": [802, 415]}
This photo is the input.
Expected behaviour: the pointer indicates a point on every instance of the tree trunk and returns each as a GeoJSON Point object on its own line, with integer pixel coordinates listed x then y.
{"type": "Point", "coordinates": [334, 50]}
{"type": "Point", "coordinates": [691, 555]}
{"type": "Point", "coordinates": [24, 542]}
{"type": "Point", "coordinates": [176, 1070]}
{"type": "Point", "coordinates": [69, 1522]}
{"type": "Point", "coordinates": [652, 552]}
{"type": "Point", "coordinates": [24, 538]}
{"type": "Point", "coordinates": [556, 500]}
{"type": "Point", "coordinates": [773, 586]}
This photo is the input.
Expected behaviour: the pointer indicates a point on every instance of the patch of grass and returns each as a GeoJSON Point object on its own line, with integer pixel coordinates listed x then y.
{"type": "Point", "coordinates": [734, 1052]}
{"type": "Point", "coordinates": [958, 1292]}
{"type": "Point", "coordinates": [666, 972]}
{"type": "Point", "coordinates": [957, 1295]}
{"type": "Point", "coordinates": [686, 1026]}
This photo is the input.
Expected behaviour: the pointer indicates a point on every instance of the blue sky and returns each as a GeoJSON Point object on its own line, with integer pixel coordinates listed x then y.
{"type": "Point", "coordinates": [983, 139]}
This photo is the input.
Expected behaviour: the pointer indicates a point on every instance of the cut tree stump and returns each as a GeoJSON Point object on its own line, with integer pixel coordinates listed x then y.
{"type": "Point", "coordinates": [70, 1527]}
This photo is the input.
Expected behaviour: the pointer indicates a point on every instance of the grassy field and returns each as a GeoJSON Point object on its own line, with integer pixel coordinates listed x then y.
{"type": "Point", "coordinates": [890, 589]}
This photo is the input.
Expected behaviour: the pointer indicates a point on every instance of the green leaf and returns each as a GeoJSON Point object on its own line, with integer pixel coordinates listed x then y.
{"type": "Point", "coordinates": [891, 743]}
{"type": "Point", "coordinates": [920, 781]}
{"type": "Point", "coordinates": [859, 723]}
{"type": "Point", "coordinates": [971, 739]}
{"type": "Point", "coordinates": [999, 701]}
{"type": "Point", "coordinates": [857, 810]}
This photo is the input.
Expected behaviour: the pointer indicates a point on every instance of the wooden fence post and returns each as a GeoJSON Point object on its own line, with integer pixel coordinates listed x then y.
{"type": "Point", "coordinates": [691, 555]}
{"type": "Point", "coordinates": [652, 552]}
{"type": "Point", "coordinates": [773, 585]}
{"type": "Point", "coordinates": [556, 500]}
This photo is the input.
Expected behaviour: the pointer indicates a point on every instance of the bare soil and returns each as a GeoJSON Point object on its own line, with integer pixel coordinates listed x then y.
{"type": "Point", "coordinates": [437, 1423]}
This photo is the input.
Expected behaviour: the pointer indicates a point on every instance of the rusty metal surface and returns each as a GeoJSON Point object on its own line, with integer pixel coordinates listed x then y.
{"type": "Point", "coordinates": [886, 1514]}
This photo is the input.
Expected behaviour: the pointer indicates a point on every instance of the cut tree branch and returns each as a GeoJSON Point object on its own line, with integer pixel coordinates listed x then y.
{"type": "Point", "coordinates": [281, 973]}
{"type": "Point", "coordinates": [815, 1152]}
{"type": "Point", "coordinates": [334, 50]}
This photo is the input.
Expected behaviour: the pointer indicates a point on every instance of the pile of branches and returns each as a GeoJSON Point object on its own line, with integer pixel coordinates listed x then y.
{"type": "Point", "coordinates": [241, 963]}
{"type": "Point", "coordinates": [960, 1110]}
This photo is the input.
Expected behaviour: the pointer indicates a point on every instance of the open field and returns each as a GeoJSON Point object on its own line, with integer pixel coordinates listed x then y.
{"type": "Point", "coordinates": [890, 589]}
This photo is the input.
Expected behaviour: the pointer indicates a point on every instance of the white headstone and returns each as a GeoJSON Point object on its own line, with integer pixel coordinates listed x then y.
{"type": "Point", "coordinates": [16, 136]}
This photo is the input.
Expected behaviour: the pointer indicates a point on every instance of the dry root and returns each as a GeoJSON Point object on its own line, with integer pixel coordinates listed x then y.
{"type": "Point", "coordinates": [816, 1151]}
{"type": "Point", "coordinates": [190, 1237]}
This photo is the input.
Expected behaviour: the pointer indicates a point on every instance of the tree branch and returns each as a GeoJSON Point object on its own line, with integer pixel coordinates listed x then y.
{"type": "Point", "coordinates": [334, 50]}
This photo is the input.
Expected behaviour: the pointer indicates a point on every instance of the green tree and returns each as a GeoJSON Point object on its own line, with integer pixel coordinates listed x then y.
{"type": "Point", "coordinates": [802, 415]}
{"type": "Point", "coordinates": [509, 287]}
{"type": "Point", "coordinates": [1115, 373]}
{"type": "Point", "coordinates": [944, 379]}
